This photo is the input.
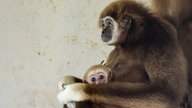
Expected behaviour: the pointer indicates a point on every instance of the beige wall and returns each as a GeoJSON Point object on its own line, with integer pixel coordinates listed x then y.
{"type": "Point", "coordinates": [42, 40]}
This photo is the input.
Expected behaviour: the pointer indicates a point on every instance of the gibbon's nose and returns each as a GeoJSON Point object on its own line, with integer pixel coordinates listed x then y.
{"type": "Point", "coordinates": [98, 82]}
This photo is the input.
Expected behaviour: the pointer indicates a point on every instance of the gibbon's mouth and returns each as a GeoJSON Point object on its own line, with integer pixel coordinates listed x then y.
{"type": "Point", "coordinates": [106, 38]}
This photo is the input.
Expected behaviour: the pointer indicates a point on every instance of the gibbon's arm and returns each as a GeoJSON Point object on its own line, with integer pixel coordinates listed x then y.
{"type": "Point", "coordinates": [151, 43]}
{"type": "Point", "coordinates": [119, 94]}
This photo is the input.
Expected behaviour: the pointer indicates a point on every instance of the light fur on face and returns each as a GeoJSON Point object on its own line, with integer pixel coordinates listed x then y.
{"type": "Point", "coordinates": [115, 33]}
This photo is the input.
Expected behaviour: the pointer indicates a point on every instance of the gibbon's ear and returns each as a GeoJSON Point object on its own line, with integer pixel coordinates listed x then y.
{"type": "Point", "coordinates": [127, 21]}
{"type": "Point", "coordinates": [110, 76]}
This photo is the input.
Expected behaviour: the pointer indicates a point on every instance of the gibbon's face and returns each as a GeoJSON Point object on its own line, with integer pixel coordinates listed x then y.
{"type": "Point", "coordinates": [114, 32]}
{"type": "Point", "coordinates": [98, 76]}
{"type": "Point", "coordinates": [122, 21]}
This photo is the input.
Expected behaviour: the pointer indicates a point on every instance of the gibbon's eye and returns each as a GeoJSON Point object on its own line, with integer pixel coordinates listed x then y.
{"type": "Point", "coordinates": [109, 22]}
{"type": "Point", "coordinates": [93, 79]}
{"type": "Point", "coordinates": [127, 19]}
{"type": "Point", "coordinates": [101, 77]}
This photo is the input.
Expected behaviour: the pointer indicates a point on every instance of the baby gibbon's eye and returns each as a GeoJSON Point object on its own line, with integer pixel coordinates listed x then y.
{"type": "Point", "coordinates": [101, 77]}
{"type": "Point", "coordinates": [93, 79]}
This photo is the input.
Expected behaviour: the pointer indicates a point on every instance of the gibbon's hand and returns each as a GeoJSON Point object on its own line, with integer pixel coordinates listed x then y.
{"type": "Point", "coordinates": [67, 80]}
{"type": "Point", "coordinates": [72, 93]}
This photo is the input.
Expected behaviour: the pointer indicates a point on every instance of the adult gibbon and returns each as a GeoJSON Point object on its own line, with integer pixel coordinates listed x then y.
{"type": "Point", "coordinates": [151, 43]}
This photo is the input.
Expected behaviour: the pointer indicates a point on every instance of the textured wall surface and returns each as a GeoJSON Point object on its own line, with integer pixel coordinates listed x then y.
{"type": "Point", "coordinates": [42, 40]}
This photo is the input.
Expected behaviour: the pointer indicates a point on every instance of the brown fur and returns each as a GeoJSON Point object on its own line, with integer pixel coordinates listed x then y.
{"type": "Point", "coordinates": [179, 13]}
{"type": "Point", "coordinates": [150, 43]}
{"type": "Point", "coordinates": [168, 9]}
{"type": "Point", "coordinates": [125, 65]}
{"type": "Point", "coordinates": [159, 60]}
{"type": "Point", "coordinates": [185, 38]}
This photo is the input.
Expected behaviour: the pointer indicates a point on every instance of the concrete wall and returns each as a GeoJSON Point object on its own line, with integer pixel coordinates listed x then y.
{"type": "Point", "coordinates": [42, 40]}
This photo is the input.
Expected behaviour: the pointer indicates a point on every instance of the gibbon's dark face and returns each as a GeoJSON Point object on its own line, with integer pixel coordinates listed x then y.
{"type": "Point", "coordinates": [114, 32]}
{"type": "Point", "coordinates": [122, 21]}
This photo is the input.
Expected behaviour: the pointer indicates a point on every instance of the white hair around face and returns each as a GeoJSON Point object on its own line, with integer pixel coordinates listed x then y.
{"type": "Point", "coordinates": [115, 32]}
